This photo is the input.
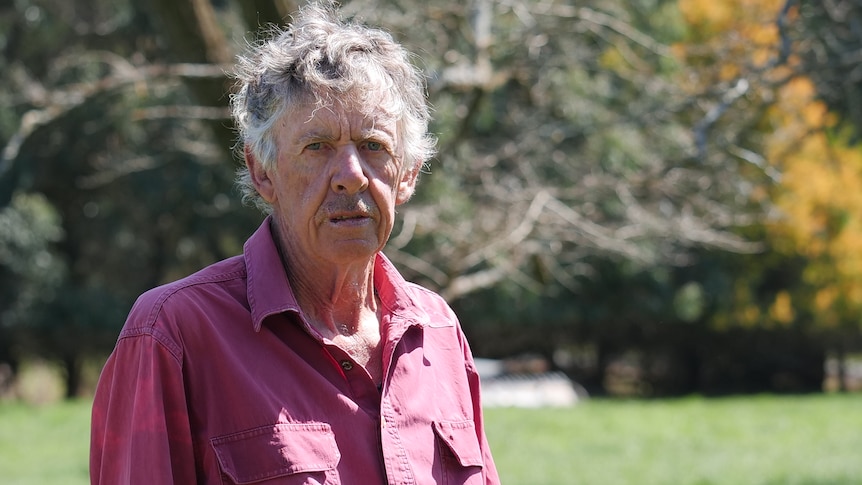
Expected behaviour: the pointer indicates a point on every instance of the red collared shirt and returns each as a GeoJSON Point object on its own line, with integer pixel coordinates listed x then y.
{"type": "Point", "coordinates": [217, 378]}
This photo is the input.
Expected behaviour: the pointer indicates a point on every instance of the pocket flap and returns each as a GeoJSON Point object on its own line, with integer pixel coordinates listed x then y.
{"type": "Point", "coordinates": [460, 437]}
{"type": "Point", "coordinates": [276, 450]}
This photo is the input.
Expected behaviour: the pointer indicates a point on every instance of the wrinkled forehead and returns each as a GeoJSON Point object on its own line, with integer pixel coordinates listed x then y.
{"type": "Point", "coordinates": [336, 116]}
{"type": "Point", "coordinates": [377, 106]}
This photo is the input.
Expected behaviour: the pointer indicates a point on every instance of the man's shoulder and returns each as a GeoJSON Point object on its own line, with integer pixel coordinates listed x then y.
{"type": "Point", "coordinates": [216, 284]}
{"type": "Point", "coordinates": [432, 305]}
{"type": "Point", "coordinates": [422, 293]}
{"type": "Point", "coordinates": [421, 303]}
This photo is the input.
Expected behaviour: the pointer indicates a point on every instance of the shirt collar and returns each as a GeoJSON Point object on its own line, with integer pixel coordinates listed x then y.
{"type": "Point", "coordinates": [269, 290]}
{"type": "Point", "coordinates": [392, 289]}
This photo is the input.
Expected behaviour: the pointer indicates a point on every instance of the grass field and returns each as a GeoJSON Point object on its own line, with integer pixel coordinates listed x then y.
{"type": "Point", "coordinates": [763, 440]}
{"type": "Point", "coordinates": [45, 444]}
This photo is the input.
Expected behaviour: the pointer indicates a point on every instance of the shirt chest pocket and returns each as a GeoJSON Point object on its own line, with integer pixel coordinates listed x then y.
{"type": "Point", "coordinates": [303, 453]}
{"type": "Point", "coordinates": [460, 454]}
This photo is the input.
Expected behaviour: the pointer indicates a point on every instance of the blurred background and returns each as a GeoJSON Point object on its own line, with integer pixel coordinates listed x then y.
{"type": "Point", "coordinates": [650, 198]}
{"type": "Point", "coordinates": [653, 203]}
{"type": "Point", "coordinates": [654, 197]}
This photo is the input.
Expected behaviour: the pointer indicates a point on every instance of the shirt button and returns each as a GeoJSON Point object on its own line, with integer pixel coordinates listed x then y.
{"type": "Point", "coordinates": [347, 365]}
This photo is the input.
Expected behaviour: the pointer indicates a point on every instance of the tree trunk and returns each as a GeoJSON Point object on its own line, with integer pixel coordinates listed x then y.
{"type": "Point", "coordinates": [194, 36]}
{"type": "Point", "coordinates": [72, 366]}
{"type": "Point", "coordinates": [841, 361]}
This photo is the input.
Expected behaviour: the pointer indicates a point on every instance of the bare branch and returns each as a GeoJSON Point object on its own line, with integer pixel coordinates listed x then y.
{"type": "Point", "coordinates": [61, 100]}
{"type": "Point", "coordinates": [604, 20]}
{"type": "Point", "coordinates": [419, 265]}
{"type": "Point", "coordinates": [515, 236]}
{"type": "Point", "coordinates": [463, 285]}
{"type": "Point", "coordinates": [179, 111]}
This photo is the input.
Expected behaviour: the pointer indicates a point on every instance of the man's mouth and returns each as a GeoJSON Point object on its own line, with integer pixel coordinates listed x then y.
{"type": "Point", "coordinates": [348, 217]}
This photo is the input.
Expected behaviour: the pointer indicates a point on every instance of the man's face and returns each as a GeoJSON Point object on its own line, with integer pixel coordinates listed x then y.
{"type": "Point", "coordinates": [336, 183]}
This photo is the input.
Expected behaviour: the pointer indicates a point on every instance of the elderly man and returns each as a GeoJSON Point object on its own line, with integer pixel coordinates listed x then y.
{"type": "Point", "coordinates": [307, 359]}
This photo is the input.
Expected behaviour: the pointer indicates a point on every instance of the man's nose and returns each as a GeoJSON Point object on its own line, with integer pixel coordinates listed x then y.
{"type": "Point", "coordinates": [348, 173]}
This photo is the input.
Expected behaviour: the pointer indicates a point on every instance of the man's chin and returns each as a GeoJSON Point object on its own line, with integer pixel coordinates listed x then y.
{"type": "Point", "coordinates": [350, 250]}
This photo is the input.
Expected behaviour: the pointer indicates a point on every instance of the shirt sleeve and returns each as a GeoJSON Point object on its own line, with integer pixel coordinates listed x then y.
{"type": "Point", "coordinates": [489, 469]}
{"type": "Point", "coordinates": [140, 430]}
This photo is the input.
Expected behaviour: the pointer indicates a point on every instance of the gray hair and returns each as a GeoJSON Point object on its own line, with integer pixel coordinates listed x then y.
{"type": "Point", "coordinates": [321, 59]}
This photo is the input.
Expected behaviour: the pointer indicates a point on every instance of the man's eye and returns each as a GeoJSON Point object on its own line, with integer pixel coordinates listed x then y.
{"type": "Point", "coordinates": [314, 146]}
{"type": "Point", "coordinates": [374, 146]}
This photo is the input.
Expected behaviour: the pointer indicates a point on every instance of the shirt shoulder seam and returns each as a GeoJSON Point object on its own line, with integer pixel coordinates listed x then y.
{"type": "Point", "coordinates": [160, 337]}
{"type": "Point", "coordinates": [148, 326]}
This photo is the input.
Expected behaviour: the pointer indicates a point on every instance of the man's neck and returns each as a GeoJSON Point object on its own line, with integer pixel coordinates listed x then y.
{"type": "Point", "coordinates": [335, 299]}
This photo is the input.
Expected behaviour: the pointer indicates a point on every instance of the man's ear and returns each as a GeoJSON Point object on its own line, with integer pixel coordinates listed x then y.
{"type": "Point", "coordinates": [259, 176]}
{"type": "Point", "coordinates": [407, 184]}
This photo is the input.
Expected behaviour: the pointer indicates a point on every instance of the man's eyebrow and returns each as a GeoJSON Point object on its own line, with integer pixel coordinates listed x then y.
{"type": "Point", "coordinates": [373, 132]}
{"type": "Point", "coordinates": [315, 136]}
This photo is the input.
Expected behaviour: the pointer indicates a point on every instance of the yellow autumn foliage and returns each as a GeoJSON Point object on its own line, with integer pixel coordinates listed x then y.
{"type": "Point", "coordinates": [819, 197]}
{"type": "Point", "coordinates": [781, 310]}
{"type": "Point", "coordinates": [743, 30]}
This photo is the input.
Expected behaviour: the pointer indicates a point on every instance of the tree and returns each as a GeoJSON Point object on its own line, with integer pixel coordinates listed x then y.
{"type": "Point", "coordinates": [110, 137]}
{"type": "Point", "coordinates": [564, 134]}
{"type": "Point", "coordinates": [830, 42]}
{"type": "Point", "coordinates": [807, 127]}
{"type": "Point", "coordinates": [819, 197]}
{"type": "Point", "coordinates": [30, 272]}
{"type": "Point", "coordinates": [604, 145]}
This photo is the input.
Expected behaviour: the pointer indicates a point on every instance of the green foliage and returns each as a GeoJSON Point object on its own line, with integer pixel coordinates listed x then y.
{"type": "Point", "coordinates": [596, 168]}
{"type": "Point", "coordinates": [689, 302]}
{"type": "Point", "coordinates": [30, 269]}
{"type": "Point", "coordinates": [139, 194]}
{"type": "Point", "coordinates": [830, 31]}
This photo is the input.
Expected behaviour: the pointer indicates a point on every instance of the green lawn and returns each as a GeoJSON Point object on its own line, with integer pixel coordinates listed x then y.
{"type": "Point", "coordinates": [763, 440]}
{"type": "Point", "coordinates": [45, 444]}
